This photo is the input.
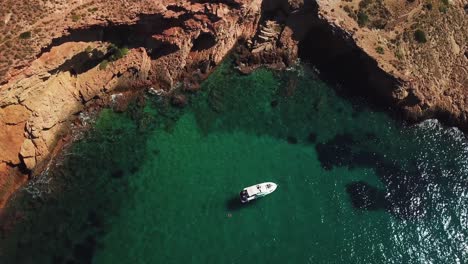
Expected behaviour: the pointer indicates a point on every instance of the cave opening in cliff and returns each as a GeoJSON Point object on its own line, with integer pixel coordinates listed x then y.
{"type": "Point", "coordinates": [135, 35]}
{"type": "Point", "coordinates": [230, 3]}
{"type": "Point", "coordinates": [334, 59]}
{"type": "Point", "coordinates": [176, 8]}
{"type": "Point", "coordinates": [340, 62]}
{"type": "Point", "coordinates": [203, 42]}
{"type": "Point", "coordinates": [162, 49]}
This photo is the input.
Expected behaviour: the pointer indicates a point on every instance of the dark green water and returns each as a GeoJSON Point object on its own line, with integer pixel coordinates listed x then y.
{"type": "Point", "coordinates": [160, 185]}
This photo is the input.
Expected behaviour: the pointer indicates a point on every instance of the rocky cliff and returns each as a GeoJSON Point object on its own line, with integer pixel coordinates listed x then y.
{"type": "Point", "coordinates": [410, 55]}
{"type": "Point", "coordinates": [420, 45]}
{"type": "Point", "coordinates": [58, 58]}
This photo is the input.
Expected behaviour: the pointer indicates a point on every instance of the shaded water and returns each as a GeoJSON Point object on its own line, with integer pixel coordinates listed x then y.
{"type": "Point", "coordinates": [160, 185]}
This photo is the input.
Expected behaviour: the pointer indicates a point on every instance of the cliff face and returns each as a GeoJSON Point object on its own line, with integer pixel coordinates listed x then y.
{"type": "Point", "coordinates": [56, 59]}
{"type": "Point", "coordinates": [420, 46]}
{"type": "Point", "coordinates": [409, 55]}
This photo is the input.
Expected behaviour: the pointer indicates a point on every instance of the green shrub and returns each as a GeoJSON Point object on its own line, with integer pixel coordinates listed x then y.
{"type": "Point", "coordinates": [25, 35]}
{"type": "Point", "coordinates": [399, 55]}
{"type": "Point", "coordinates": [75, 17]}
{"type": "Point", "coordinates": [112, 47]}
{"type": "Point", "coordinates": [443, 9]}
{"type": "Point", "coordinates": [379, 50]}
{"type": "Point", "coordinates": [362, 19]}
{"type": "Point", "coordinates": [103, 64]}
{"type": "Point", "coordinates": [120, 53]}
{"type": "Point", "coordinates": [88, 49]}
{"type": "Point", "coordinates": [420, 36]}
{"type": "Point", "coordinates": [116, 52]}
{"type": "Point", "coordinates": [123, 51]}
{"type": "Point", "coordinates": [445, 2]}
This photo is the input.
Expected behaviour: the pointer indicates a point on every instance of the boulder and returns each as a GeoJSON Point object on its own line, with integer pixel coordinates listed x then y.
{"type": "Point", "coordinates": [179, 100]}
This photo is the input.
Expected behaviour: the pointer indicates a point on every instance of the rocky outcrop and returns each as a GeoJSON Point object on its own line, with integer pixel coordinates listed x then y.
{"type": "Point", "coordinates": [267, 36]}
{"type": "Point", "coordinates": [411, 54]}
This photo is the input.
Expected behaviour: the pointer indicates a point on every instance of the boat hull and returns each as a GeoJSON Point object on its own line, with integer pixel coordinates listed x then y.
{"type": "Point", "coordinates": [256, 191]}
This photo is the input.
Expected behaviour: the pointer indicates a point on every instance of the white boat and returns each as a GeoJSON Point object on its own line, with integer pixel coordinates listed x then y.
{"type": "Point", "coordinates": [256, 191]}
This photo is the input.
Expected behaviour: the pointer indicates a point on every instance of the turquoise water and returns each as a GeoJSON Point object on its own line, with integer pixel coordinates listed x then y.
{"type": "Point", "coordinates": [160, 185]}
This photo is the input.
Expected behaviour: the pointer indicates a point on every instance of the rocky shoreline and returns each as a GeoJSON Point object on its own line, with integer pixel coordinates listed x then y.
{"type": "Point", "coordinates": [174, 45]}
{"type": "Point", "coordinates": [177, 49]}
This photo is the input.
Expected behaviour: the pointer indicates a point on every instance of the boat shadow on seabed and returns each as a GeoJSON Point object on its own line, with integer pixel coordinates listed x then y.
{"type": "Point", "coordinates": [234, 204]}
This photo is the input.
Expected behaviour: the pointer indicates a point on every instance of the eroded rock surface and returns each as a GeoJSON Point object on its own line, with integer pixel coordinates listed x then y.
{"type": "Point", "coordinates": [411, 55]}
{"type": "Point", "coordinates": [421, 43]}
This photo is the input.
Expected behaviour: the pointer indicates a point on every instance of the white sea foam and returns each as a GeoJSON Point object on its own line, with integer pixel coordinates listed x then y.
{"type": "Point", "coordinates": [435, 127]}
{"type": "Point", "coordinates": [442, 161]}
{"type": "Point", "coordinates": [39, 186]}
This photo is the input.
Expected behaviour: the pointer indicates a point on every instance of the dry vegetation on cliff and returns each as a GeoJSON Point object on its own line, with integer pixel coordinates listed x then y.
{"type": "Point", "coordinates": [422, 42]}
{"type": "Point", "coordinates": [29, 26]}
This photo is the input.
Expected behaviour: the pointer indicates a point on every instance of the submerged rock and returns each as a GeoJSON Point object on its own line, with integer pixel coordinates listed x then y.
{"type": "Point", "coordinates": [292, 140]}
{"type": "Point", "coordinates": [179, 100]}
{"type": "Point", "coordinates": [365, 196]}
{"type": "Point", "coordinates": [312, 137]}
{"type": "Point", "coordinates": [274, 103]}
